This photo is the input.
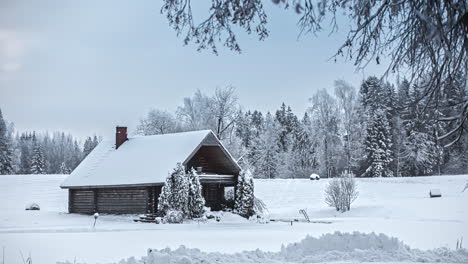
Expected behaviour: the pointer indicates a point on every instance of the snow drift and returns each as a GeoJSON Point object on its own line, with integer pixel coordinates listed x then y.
{"type": "Point", "coordinates": [338, 246]}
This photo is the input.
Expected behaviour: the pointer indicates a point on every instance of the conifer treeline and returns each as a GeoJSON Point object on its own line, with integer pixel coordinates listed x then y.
{"type": "Point", "coordinates": [40, 153]}
{"type": "Point", "coordinates": [378, 131]}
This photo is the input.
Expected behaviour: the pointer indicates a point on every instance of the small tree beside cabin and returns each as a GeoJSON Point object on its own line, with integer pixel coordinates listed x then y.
{"type": "Point", "coordinates": [182, 192]}
{"type": "Point", "coordinates": [244, 201]}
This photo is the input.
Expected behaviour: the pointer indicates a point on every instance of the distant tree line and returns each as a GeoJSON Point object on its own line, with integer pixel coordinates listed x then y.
{"type": "Point", "coordinates": [40, 153]}
{"type": "Point", "coordinates": [381, 130]}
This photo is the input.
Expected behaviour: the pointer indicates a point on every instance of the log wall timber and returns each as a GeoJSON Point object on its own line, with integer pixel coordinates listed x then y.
{"type": "Point", "coordinates": [81, 201]}
{"type": "Point", "coordinates": [114, 200]}
{"type": "Point", "coordinates": [122, 201]}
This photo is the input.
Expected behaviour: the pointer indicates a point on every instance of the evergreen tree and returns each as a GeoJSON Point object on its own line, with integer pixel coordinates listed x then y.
{"type": "Point", "coordinates": [243, 128]}
{"type": "Point", "coordinates": [264, 154]}
{"type": "Point", "coordinates": [174, 193]}
{"type": "Point", "coordinates": [95, 141]}
{"type": "Point", "coordinates": [244, 202]}
{"type": "Point", "coordinates": [302, 160]}
{"type": "Point", "coordinates": [420, 153]}
{"type": "Point", "coordinates": [37, 161]}
{"type": "Point", "coordinates": [6, 153]}
{"type": "Point", "coordinates": [196, 202]}
{"type": "Point", "coordinates": [87, 147]}
{"type": "Point", "coordinates": [376, 100]}
{"type": "Point", "coordinates": [378, 145]}
{"type": "Point", "coordinates": [287, 120]}
{"type": "Point", "coordinates": [25, 145]}
{"type": "Point", "coordinates": [64, 169]}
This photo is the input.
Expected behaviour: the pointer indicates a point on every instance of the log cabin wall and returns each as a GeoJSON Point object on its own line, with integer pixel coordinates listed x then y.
{"type": "Point", "coordinates": [136, 200]}
{"type": "Point", "coordinates": [81, 201]}
{"type": "Point", "coordinates": [122, 200]}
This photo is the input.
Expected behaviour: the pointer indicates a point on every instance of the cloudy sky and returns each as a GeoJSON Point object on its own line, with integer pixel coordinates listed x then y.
{"type": "Point", "coordinates": [86, 66]}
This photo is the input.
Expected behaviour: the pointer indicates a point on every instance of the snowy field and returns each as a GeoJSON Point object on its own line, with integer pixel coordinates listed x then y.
{"type": "Point", "coordinates": [397, 207]}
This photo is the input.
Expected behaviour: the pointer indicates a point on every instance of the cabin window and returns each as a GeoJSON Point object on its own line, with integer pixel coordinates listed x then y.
{"type": "Point", "coordinates": [229, 193]}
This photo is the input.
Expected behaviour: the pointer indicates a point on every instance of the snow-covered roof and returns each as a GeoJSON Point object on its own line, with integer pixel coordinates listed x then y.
{"type": "Point", "coordinates": [139, 160]}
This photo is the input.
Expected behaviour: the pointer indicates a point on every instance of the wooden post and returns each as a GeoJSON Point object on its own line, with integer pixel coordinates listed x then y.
{"type": "Point", "coordinates": [95, 194]}
{"type": "Point", "coordinates": [70, 201]}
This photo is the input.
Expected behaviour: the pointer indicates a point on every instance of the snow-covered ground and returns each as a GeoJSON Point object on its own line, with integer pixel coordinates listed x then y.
{"type": "Point", "coordinates": [397, 207]}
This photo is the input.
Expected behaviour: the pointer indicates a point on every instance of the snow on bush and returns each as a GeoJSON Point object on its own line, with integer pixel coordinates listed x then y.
{"type": "Point", "coordinates": [341, 192]}
{"type": "Point", "coordinates": [196, 202]}
{"type": "Point", "coordinates": [182, 192]}
{"type": "Point", "coordinates": [174, 193]}
{"type": "Point", "coordinates": [336, 247]}
{"type": "Point", "coordinates": [174, 217]}
{"type": "Point", "coordinates": [244, 203]}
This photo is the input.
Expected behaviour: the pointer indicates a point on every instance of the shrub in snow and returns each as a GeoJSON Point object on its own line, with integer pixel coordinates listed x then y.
{"type": "Point", "coordinates": [244, 203]}
{"type": "Point", "coordinates": [174, 193]}
{"type": "Point", "coordinates": [261, 211]}
{"type": "Point", "coordinates": [33, 206]}
{"type": "Point", "coordinates": [196, 202]}
{"type": "Point", "coordinates": [182, 192]}
{"type": "Point", "coordinates": [341, 192]}
{"type": "Point", "coordinates": [174, 217]}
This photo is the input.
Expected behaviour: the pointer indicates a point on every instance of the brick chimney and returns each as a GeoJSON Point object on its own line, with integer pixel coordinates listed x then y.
{"type": "Point", "coordinates": [120, 136]}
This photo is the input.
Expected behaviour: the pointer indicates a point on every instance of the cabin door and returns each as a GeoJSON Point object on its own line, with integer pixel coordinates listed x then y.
{"type": "Point", "coordinates": [212, 194]}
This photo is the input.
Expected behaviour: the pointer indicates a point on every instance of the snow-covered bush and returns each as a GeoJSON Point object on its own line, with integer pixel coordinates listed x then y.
{"type": "Point", "coordinates": [341, 192]}
{"type": "Point", "coordinates": [182, 192]}
{"type": "Point", "coordinates": [174, 193]}
{"type": "Point", "coordinates": [196, 202]}
{"type": "Point", "coordinates": [174, 217]}
{"type": "Point", "coordinates": [244, 203]}
{"type": "Point", "coordinates": [261, 211]}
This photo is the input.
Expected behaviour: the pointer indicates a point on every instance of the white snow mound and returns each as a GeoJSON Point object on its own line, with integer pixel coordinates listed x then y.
{"type": "Point", "coordinates": [358, 247]}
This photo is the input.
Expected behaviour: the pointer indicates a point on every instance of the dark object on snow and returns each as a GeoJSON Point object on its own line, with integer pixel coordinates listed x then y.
{"type": "Point", "coordinates": [33, 206]}
{"type": "Point", "coordinates": [433, 193]}
{"type": "Point", "coordinates": [210, 216]}
{"type": "Point", "coordinates": [303, 212]}
{"type": "Point", "coordinates": [150, 218]}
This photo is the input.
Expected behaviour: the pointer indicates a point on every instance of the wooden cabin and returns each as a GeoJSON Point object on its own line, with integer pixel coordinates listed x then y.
{"type": "Point", "coordinates": [125, 176]}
